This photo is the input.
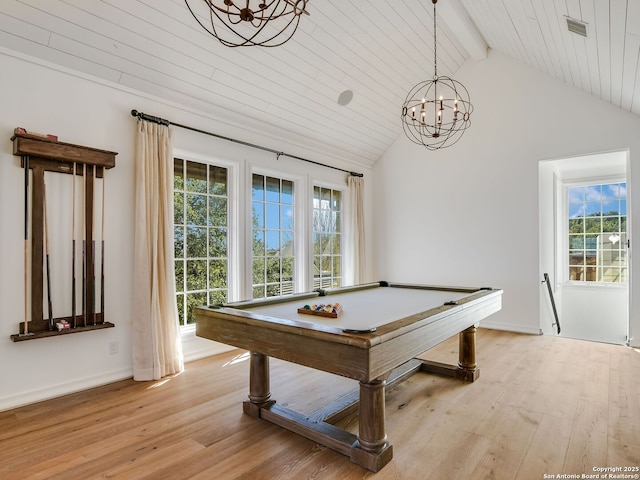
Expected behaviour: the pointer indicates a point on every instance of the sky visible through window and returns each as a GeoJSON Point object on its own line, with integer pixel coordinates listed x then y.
{"type": "Point", "coordinates": [597, 200]}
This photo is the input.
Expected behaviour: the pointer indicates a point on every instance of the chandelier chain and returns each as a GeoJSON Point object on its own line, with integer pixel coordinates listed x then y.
{"type": "Point", "coordinates": [435, 44]}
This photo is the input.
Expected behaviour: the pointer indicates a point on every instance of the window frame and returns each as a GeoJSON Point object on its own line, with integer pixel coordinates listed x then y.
{"type": "Point", "coordinates": [297, 230]}
{"type": "Point", "coordinates": [239, 244]}
{"type": "Point", "coordinates": [233, 230]}
{"type": "Point", "coordinates": [564, 218]}
{"type": "Point", "coordinates": [343, 223]}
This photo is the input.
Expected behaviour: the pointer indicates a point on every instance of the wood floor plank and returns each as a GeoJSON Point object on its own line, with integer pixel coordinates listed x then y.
{"type": "Point", "coordinates": [624, 410]}
{"type": "Point", "coordinates": [548, 447]}
{"type": "Point", "coordinates": [454, 454]}
{"type": "Point", "coordinates": [239, 447]}
{"type": "Point", "coordinates": [262, 453]}
{"type": "Point", "coordinates": [147, 463]}
{"type": "Point", "coordinates": [588, 441]}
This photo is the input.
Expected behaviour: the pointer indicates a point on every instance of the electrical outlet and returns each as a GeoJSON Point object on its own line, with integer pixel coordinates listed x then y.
{"type": "Point", "coordinates": [113, 347]}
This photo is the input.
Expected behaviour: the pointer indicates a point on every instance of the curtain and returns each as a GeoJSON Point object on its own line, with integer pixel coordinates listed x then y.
{"type": "Point", "coordinates": [356, 227]}
{"type": "Point", "coordinates": [157, 349]}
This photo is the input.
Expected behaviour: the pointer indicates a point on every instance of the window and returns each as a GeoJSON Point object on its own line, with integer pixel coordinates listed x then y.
{"type": "Point", "coordinates": [273, 236]}
{"type": "Point", "coordinates": [234, 243]}
{"type": "Point", "coordinates": [598, 233]}
{"type": "Point", "coordinates": [327, 238]}
{"type": "Point", "coordinates": [200, 236]}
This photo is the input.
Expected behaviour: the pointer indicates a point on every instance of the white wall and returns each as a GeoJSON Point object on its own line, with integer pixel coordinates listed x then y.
{"type": "Point", "coordinates": [468, 214]}
{"type": "Point", "coordinates": [84, 111]}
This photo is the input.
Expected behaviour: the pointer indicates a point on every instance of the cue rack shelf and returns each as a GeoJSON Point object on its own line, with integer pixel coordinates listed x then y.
{"type": "Point", "coordinates": [44, 153]}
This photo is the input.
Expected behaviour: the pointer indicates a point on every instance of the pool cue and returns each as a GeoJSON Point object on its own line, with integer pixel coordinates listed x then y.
{"type": "Point", "coordinates": [93, 246]}
{"type": "Point", "coordinates": [25, 160]}
{"type": "Point", "coordinates": [73, 248]}
{"type": "Point", "coordinates": [46, 252]}
{"type": "Point", "coordinates": [84, 246]}
{"type": "Point", "coordinates": [102, 251]}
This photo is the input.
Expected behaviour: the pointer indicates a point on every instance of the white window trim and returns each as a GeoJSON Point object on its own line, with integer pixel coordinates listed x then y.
{"type": "Point", "coordinates": [300, 201]}
{"type": "Point", "coordinates": [563, 228]}
{"type": "Point", "coordinates": [234, 230]}
{"type": "Point", "coordinates": [240, 173]}
{"type": "Point", "coordinates": [346, 235]}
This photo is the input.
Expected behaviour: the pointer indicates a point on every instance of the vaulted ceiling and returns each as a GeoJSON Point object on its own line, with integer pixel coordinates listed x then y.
{"type": "Point", "coordinates": [378, 49]}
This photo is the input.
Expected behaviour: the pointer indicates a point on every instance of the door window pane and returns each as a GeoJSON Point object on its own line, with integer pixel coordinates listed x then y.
{"type": "Point", "coordinates": [597, 233]}
{"type": "Point", "coordinates": [327, 232]}
{"type": "Point", "coordinates": [200, 217]}
{"type": "Point", "coordinates": [273, 236]}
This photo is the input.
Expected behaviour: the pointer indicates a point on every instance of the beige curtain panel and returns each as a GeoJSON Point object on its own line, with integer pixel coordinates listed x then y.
{"type": "Point", "coordinates": [157, 350]}
{"type": "Point", "coordinates": [356, 200]}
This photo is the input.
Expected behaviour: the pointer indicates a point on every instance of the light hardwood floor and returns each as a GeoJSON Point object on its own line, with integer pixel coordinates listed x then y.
{"type": "Point", "coordinates": [542, 405]}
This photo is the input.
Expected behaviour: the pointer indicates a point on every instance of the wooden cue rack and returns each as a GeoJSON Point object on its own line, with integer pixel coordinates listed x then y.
{"type": "Point", "coordinates": [46, 155]}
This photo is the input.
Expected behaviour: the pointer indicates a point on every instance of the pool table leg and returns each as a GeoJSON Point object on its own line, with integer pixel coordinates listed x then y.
{"type": "Point", "coordinates": [372, 450]}
{"type": "Point", "coordinates": [259, 388]}
{"type": "Point", "coordinates": [467, 367]}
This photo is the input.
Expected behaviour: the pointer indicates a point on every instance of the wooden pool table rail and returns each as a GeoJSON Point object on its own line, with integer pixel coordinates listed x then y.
{"type": "Point", "coordinates": [360, 356]}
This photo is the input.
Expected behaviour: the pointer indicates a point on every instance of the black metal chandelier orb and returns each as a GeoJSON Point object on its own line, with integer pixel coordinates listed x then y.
{"type": "Point", "coordinates": [436, 112]}
{"type": "Point", "coordinates": [243, 23]}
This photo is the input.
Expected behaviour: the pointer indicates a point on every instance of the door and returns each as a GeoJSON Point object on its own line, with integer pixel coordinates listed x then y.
{"type": "Point", "coordinates": [584, 248]}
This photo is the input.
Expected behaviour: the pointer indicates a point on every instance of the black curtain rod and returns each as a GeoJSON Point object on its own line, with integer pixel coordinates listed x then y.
{"type": "Point", "coordinates": [162, 121]}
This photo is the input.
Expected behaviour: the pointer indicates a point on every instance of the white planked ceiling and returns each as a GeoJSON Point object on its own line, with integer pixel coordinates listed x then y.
{"type": "Point", "coordinates": [377, 48]}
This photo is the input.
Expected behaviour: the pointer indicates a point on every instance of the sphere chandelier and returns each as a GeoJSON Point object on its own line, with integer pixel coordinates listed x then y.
{"type": "Point", "coordinates": [262, 23]}
{"type": "Point", "coordinates": [436, 112]}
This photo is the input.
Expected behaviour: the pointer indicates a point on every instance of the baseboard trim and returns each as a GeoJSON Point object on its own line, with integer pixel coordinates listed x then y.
{"type": "Point", "coordinates": [55, 391]}
{"type": "Point", "coordinates": [215, 349]}
{"type": "Point", "coordinates": [509, 327]}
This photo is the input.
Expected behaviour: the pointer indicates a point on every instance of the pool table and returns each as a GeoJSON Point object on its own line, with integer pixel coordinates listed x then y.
{"type": "Point", "coordinates": [380, 329]}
